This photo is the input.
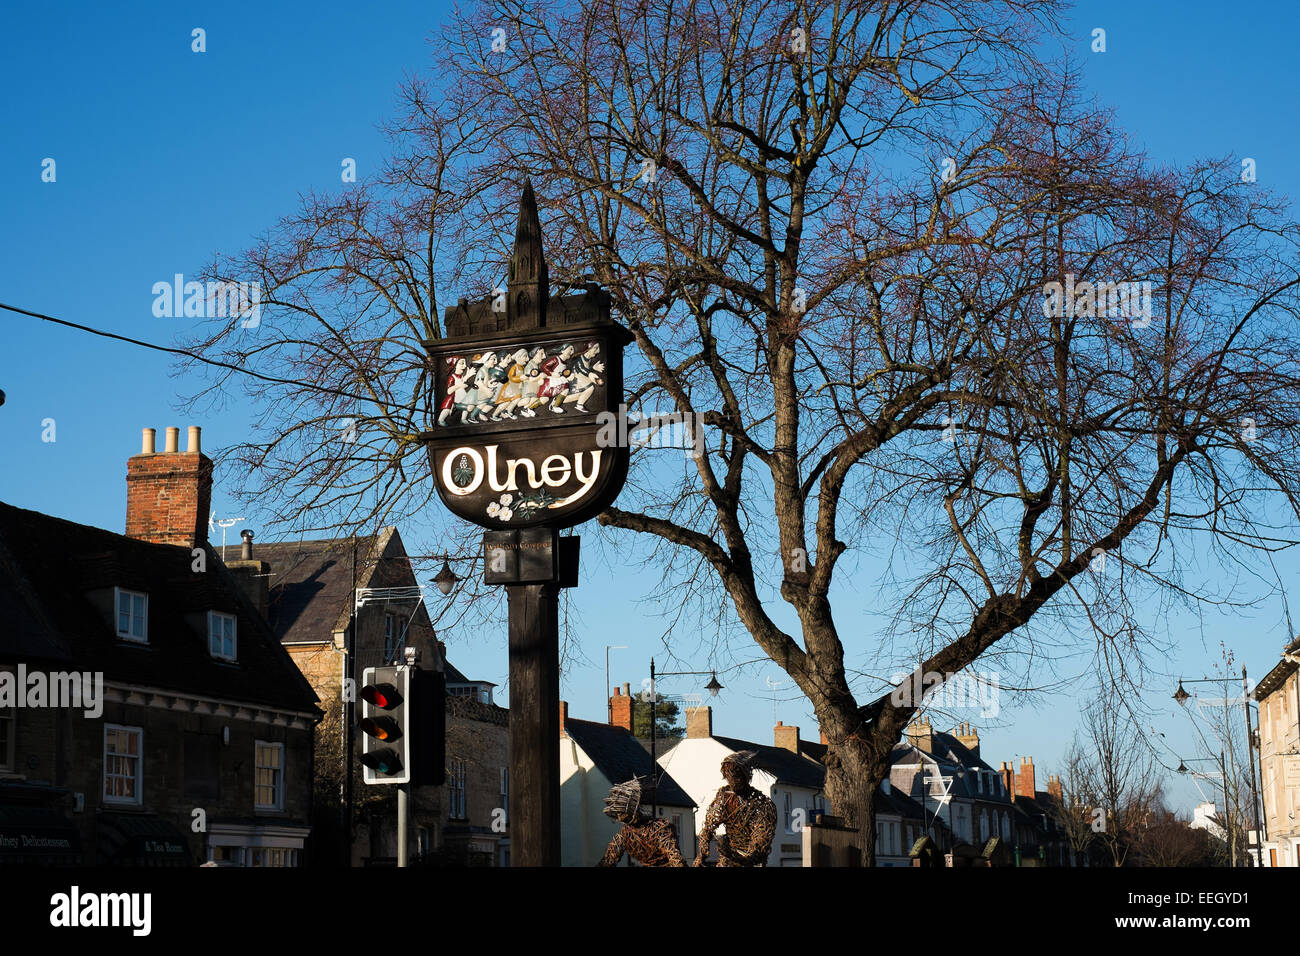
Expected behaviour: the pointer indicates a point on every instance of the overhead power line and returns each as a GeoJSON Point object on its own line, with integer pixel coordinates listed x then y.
{"type": "Point", "coordinates": [172, 350]}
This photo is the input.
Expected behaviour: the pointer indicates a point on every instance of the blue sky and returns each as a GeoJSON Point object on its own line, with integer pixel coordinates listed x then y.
{"type": "Point", "coordinates": [165, 156]}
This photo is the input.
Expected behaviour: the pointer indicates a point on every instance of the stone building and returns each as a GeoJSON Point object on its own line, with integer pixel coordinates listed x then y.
{"type": "Point", "coordinates": [475, 826]}
{"type": "Point", "coordinates": [189, 736]}
{"type": "Point", "coordinates": [340, 606]}
{"type": "Point", "coordinates": [1278, 695]}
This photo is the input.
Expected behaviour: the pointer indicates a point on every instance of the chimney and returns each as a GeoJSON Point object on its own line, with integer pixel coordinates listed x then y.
{"type": "Point", "coordinates": [1054, 786]}
{"type": "Point", "coordinates": [1008, 778]}
{"type": "Point", "coordinates": [253, 577]}
{"type": "Point", "coordinates": [920, 736]}
{"type": "Point", "coordinates": [969, 738]}
{"type": "Point", "coordinates": [168, 495]}
{"type": "Point", "coordinates": [564, 716]}
{"type": "Point", "coordinates": [699, 722]}
{"type": "Point", "coordinates": [1025, 778]}
{"type": "Point", "coordinates": [787, 738]}
{"type": "Point", "coordinates": [620, 709]}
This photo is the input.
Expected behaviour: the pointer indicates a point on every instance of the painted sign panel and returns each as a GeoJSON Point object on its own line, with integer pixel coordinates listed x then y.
{"type": "Point", "coordinates": [519, 384]}
{"type": "Point", "coordinates": [539, 380]}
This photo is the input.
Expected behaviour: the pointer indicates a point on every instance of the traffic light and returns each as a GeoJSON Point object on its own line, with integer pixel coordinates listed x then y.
{"type": "Point", "coordinates": [385, 725]}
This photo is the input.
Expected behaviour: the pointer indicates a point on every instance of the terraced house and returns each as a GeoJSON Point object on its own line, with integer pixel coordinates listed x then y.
{"type": "Point", "coordinates": [197, 747]}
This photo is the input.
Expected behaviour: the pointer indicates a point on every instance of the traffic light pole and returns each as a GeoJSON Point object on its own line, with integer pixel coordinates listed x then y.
{"type": "Point", "coordinates": [403, 809]}
{"type": "Point", "coordinates": [534, 724]}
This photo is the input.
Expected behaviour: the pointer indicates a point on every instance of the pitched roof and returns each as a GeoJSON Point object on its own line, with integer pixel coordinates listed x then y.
{"type": "Point", "coordinates": [618, 755]}
{"type": "Point", "coordinates": [311, 584]}
{"type": "Point", "coordinates": [788, 767]}
{"type": "Point", "coordinates": [897, 802]}
{"type": "Point", "coordinates": [50, 566]}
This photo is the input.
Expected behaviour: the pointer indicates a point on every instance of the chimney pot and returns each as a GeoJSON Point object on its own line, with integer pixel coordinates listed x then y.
{"type": "Point", "coordinates": [618, 691]}
{"type": "Point", "coordinates": [194, 443]}
{"type": "Point", "coordinates": [246, 551]}
{"type": "Point", "coordinates": [564, 714]}
{"type": "Point", "coordinates": [627, 689]}
{"type": "Point", "coordinates": [168, 496]}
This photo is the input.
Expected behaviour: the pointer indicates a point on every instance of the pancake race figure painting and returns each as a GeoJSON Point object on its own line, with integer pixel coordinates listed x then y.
{"type": "Point", "coordinates": [494, 387]}
{"type": "Point", "coordinates": [650, 841]}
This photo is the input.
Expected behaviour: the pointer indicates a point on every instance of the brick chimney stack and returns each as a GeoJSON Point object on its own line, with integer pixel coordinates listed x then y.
{"type": "Point", "coordinates": [920, 735]}
{"type": "Point", "coordinates": [620, 708]}
{"type": "Point", "coordinates": [787, 738]}
{"type": "Point", "coordinates": [969, 738]}
{"type": "Point", "coordinates": [1054, 786]}
{"type": "Point", "coordinates": [1025, 778]}
{"type": "Point", "coordinates": [252, 576]}
{"type": "Point", "coordinates": [699, 722]}
{"type": "Point", "coordinates": [1008, 776]}
{"type": "Point", "coordinates": [564, 716]}
{"type": "Point", "coordinates": [169, 494]}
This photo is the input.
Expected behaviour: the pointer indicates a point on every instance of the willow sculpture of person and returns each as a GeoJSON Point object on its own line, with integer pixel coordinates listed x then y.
{"type": "Point", "coordinates": [749, 816]}
{"type": "Point", "coordinates": [649, 841]}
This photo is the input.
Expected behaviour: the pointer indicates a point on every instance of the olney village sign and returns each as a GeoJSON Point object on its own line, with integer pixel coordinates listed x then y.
{"type": "Point", "coordinates": [523, 384]}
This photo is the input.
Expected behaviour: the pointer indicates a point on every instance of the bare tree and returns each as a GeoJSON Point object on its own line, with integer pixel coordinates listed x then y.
{"type": "Point", "coordinates": [1171, 841]}
{"type": "Point", "coordinates": [1119, 774]}
{"type": "Point", "coordinates": [1073, 809]}
{"type": "Point", "coordinates": [833, 229]}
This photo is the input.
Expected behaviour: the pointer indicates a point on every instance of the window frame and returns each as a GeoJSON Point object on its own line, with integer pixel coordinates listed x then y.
{"type": "Point", "coordinates": [105, 776]}
{"type": "Point", "coordinates": [234, 635]}
{"type": "Point", "coordinates": [278, 786]}
{"type": "Point", "coordinates": [127, 635]}
{"type": "Point", "coordinates": [393, 642]}
{"type": "Point", "coordinates": [458, 799]}
{"type": "Point", "coordinates": [505, 791]}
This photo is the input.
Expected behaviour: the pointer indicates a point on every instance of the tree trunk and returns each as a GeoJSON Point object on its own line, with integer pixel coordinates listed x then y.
{"type": "Point", "coordinates": [857, 759]}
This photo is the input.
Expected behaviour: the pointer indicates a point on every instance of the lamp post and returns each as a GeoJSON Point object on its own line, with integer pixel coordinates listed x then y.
{"type": "Point", "coordinates": [1181, 697]}
{"type": "Point", "coordinates": [712, 687]}
{"type": "Point", "coordinates": [1223, 775]}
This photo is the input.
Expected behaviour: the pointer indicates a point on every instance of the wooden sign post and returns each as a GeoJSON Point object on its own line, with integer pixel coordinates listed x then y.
{"type": "Point", "coordinates": [521, 381]}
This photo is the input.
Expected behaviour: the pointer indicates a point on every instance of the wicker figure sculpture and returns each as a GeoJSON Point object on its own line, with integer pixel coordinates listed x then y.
{"type": "Point", "coordinates": [651, 842]}
{"type": "Point", "coordinates": [749, 816]}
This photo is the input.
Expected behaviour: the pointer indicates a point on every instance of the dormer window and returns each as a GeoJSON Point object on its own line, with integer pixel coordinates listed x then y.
{"type": "Point", "coordinates": [221, 635]}
{"type": "Point", "coordinates": [132, 615]}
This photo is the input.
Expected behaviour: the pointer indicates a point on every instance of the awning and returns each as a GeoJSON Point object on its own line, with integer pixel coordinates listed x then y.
{"type": "Point", "coordinates": [140, 839]}
{"type": "Point", "coordinates": [38, 835]}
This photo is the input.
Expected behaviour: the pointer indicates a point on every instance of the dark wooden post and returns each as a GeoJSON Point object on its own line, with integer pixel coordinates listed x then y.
{"type": "Point", "coordinates": [534, 724]}
{"type": "Point", "coordinates": [530, 437]}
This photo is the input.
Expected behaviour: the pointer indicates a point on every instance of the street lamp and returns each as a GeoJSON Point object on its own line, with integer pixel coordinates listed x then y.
{"type": "Point", "coordinates": [446, 578]}
{"type": "Point", "coordinates": [1223, 775]}
{"type": "Point", "coordinates": [1181, 696]}
{"type": "Point", "coordinates": [712, 687]}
